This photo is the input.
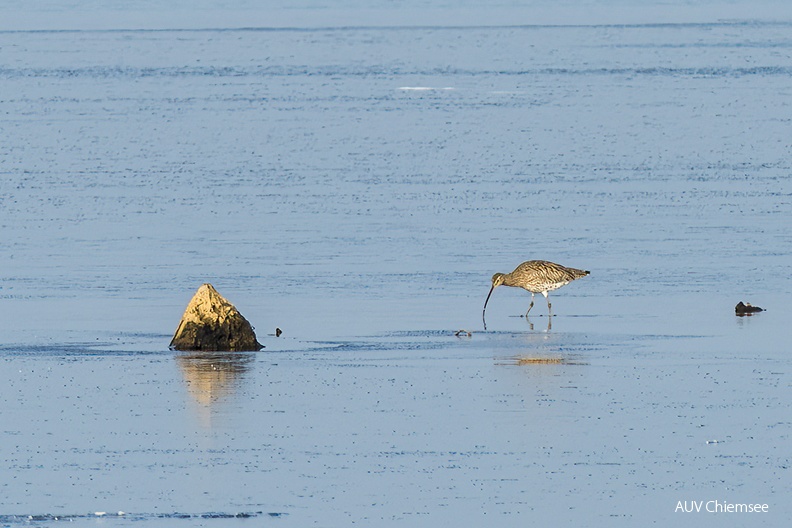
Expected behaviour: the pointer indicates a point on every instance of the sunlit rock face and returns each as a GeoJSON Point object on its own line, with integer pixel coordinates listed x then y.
{"type": "Point", "coordinates": [210, 322]}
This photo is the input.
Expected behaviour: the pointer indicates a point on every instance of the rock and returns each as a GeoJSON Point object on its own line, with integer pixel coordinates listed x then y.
{"type": "Point", "coordinates": [746, 309]}
{"type": "Point", "coordinates": [210, 322]}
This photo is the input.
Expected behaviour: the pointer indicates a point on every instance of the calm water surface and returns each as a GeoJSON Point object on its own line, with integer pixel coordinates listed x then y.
{"type": "Point", "coordinates": [357, 186]}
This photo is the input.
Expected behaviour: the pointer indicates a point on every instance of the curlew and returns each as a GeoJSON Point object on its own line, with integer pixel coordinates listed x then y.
{"type": "Point", "coordinates": [536, 276]}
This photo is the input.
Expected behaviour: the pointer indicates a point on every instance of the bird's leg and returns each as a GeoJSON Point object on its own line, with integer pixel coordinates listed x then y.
{"type": "Point", "coordinates": [530, 305]}
{"type": "Point", "coordinates": [549, 306]}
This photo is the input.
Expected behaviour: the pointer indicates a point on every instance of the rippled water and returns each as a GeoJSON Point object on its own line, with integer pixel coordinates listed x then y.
{"type": "Point", "coordinates": [357, 186]}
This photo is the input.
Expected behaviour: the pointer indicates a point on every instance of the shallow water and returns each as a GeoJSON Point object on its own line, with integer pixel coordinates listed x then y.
{"type": "Point", "coordinates": [356, 186]}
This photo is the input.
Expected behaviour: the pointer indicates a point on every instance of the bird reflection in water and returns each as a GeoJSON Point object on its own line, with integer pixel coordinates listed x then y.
{"type": "Point", "coordinates": [213, 376]}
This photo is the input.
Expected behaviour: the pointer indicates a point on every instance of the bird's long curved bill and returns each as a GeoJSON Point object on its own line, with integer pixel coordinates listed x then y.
{"type": "Point", "coordinates": [485, 302]}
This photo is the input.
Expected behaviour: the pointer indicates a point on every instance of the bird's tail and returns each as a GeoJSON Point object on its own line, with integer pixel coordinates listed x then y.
{"type": "Point", "coordinates": [579, 273]}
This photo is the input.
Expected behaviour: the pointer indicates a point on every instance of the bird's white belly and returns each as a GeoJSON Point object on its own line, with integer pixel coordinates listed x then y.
{"type": "Point", "coordinates": [549, 287]}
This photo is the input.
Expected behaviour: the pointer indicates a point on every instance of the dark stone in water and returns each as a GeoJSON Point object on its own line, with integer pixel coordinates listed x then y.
{"type": "Point", "coordinates": [746, 309]}
{"type": "Point", "coordinates": [210, 322]}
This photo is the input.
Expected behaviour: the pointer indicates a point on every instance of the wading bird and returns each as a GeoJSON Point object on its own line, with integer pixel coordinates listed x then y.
{"type": "Point", "coordinates": [536, 276]}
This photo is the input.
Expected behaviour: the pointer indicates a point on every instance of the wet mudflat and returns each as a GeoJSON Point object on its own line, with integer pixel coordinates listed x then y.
{"type": "Point", "coordinates": [411, 428]}
{"type": "Point", "coordinates": [357, 187]}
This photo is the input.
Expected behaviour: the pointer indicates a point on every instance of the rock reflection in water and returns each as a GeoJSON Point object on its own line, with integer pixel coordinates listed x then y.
{"type": "Point", "coordinates": [212, 376]}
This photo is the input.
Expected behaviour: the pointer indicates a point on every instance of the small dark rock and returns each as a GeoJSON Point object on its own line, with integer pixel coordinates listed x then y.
{"type": "Point", "coordinates": [746, 309]}
{"type": "Point", "coordinates": [278, 332]}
